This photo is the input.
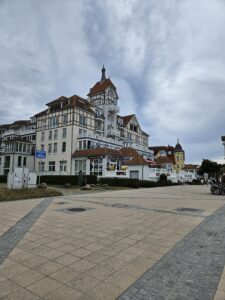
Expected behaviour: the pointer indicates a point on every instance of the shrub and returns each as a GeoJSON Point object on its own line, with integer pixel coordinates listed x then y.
{"type": "Point", "coordinates": [163, 178]}
{"type": "Point", "coordinates": [124, 182]}
{"type": "Point", "coordinates": [195, 182]}
{"type": "Point", "coordinates": [147, 183]}
{"type": "Point", "coordinates": [71, 179]}
{"type": "Point", "coordinates": [3, 178]}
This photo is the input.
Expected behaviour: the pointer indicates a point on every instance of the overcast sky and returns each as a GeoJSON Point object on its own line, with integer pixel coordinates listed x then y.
{"type": "Point", "coordinates": [166, 58]}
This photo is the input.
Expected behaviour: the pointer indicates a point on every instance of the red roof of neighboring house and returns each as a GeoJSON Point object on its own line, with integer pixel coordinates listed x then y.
{"type": "Point", "coordinates": [101, 86]}
{"type": "Point", "coordinates": [164, 160]}
{"type": "Point", "coordinates": [190, 167]}
{"type": "Point", "coordinates": [138, 160]}
{"type": "Point", "coordinates": [156, 149]}
{"type": "Point", "coordinates": [96, 152]}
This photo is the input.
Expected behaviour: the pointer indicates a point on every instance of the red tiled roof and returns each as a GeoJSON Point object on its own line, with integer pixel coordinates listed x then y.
{"type": "Point", "coordinates": [138, 160]}
{"type": "Point", "coordinates": [96, 152]}
{"type": "Point", "coordinates": [190, 167]}
{"type": "Point", "coordinates": [128, 152]}
{"type": "Point", "coordinates": [126, 119]}
{"type": "Point", "coordinates": [156, 149]}
{"type": "Point", "coordinates": [101, 86]}
{"type": "Point", "coordinates": [164, 160]}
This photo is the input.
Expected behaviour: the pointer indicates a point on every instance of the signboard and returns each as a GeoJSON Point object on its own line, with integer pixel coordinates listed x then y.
{"type": "Point", "coordinates": [40, 154]}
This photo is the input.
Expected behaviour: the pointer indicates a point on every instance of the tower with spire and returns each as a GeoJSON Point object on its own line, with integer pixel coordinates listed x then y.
{"type": "Point", "coordinates": [103, 96]}
{"type": "Point", "coordinates": [179, 155]}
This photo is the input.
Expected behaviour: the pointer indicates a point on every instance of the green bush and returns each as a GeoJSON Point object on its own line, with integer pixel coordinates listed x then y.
{"type": "Point", "coordinates": [71, 179]}
{"type": "Point", "coordinates": [124, 182]}
{"type": "Point", "coordinates": [3, 178]}
{"type": "Point", "coordinates": [195, 182]}
{"type": "Point", "coordinates": [147, 183]}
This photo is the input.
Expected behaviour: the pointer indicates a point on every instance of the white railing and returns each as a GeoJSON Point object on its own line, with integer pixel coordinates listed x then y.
{"type": "Point", "coordinates": [18, 132]}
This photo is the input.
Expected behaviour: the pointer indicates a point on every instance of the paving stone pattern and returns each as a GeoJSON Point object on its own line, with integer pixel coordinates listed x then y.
{"type": "Point", "coordinates": [11, 237]}
{"type": "Point", "coordinates": [190, 270]}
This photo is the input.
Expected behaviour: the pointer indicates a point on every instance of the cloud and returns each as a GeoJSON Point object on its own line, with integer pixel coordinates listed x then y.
{"type": "Point", "coordinates": [166, 58]}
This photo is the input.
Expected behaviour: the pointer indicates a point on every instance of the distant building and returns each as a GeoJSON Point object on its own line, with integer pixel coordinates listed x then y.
{"type": "Point", "coordinates": [17, 145]}
{"type": "Point", "coordinates": [169, 157]}
{"type": "Point", "coordinates": [223, 141]}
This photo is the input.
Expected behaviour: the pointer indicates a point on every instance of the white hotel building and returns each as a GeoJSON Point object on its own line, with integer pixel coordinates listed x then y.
{"type": "Point", "coordinates": [79, 134]}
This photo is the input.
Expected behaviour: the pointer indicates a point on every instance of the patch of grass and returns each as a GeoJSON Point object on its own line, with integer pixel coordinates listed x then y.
{"type": "Point", "coordinates": [8, 195]}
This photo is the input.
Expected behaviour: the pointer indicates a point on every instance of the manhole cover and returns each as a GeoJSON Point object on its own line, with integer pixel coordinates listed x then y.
{"type": "Point", "coordinates": [188, 209]}
{"type": "Point", "coordinates": [120, 205]}
{"type": "Point", "coordinates": [76, 209]}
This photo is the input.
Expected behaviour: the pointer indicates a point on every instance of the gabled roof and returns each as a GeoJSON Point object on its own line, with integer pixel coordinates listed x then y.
{"type": "Point", "coordinates": [156, 149]}
{"type": "Point", "coordinates": [41, 113]}
{"type": "Point", "coordinates": [101, 86]}
{"type": "Point", "coordinates": [126, 119]}
{"type": "Point", "coordinates": [164, 160]}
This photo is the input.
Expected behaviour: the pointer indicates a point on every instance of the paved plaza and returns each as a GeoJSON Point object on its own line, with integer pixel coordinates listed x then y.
{"type": "Point", "coordinates": [159, 243]}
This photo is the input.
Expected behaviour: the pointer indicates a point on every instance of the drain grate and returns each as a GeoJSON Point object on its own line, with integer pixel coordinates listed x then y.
{"type": "Point", "coordinates": [76, 209]}
{"type": "Point", "coordinates": [188, 209]}
{"type": "Point", "coordinates": [118, 205]}
{"type": "Point", "coordinates": [72, 210]}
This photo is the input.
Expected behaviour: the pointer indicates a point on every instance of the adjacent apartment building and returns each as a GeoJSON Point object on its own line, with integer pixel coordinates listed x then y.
{"type": "Point", "coordinates": [17, 145]}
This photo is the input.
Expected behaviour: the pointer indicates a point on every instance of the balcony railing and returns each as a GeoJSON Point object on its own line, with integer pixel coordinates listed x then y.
{"type": "Point", "coordinates": [113, 108]}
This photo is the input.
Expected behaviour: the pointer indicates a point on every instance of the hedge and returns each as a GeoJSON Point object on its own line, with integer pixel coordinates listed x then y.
{"type": "Point", "coordinates": [134, 183]}
{"type": "Point", "coordinates": [125, 182]}
{"type": "Point", "coordinates": [71, 179]}
{"type": "Point", "coordinates": [3, 178]}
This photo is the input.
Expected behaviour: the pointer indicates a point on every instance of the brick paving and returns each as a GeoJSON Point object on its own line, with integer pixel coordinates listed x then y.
{"type": "Point", "coordinates": [100, 253]}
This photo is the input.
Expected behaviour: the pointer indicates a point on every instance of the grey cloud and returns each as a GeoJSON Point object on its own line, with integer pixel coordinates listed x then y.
{"type": "Point", "coordinates": [166, 57]}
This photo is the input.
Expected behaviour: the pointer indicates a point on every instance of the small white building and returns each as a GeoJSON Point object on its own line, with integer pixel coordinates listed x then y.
{"type": "Point", "coordinates": [17, 145]}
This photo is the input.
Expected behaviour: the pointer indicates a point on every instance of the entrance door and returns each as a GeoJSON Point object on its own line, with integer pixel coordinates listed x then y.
{"type": "Point", "coordinates": [134, 174]}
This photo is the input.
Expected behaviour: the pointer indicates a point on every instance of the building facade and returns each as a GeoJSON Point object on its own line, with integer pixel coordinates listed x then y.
{"type": "Point", "coordinates": [17, 145]}
{"type": "Point", "coordinates": [73, 123]}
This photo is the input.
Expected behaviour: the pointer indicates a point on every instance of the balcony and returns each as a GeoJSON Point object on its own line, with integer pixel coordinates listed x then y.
{"type": "Point", "coordinates": [112, 133]}
{"type": "Point", "coordinates": [113, 109]}
{"type": "Point", "coordinates": [99, 118]}
{"type": "Point", "coordinates": [99, 129]}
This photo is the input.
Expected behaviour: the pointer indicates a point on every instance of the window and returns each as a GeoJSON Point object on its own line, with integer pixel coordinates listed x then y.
{"type": "Point", "coordinates": [55, 148]}
{"type": "Point", "coordinates": [80, 145]}
{"type": "Point", "coordinates": [51, 166]}
{"type": "Point", "coordinates": [50, 135]}
{"type": "Point", "coordinates": [41, 166]}
{"type": "Point", "coordinates": [82, 120]}
{"type": "Point", "coordinates": [80, 165]}
{"type": "Point", "coordinates": [65, 119]}
{"type": "Point", "coordinates": [63, 166]}
{"type": "Point", "coordinates": [24, 161]}
{"type": "Point", "coordinates": [19, 161]}
{"type": "Point", "coordinates": [63, 146]}
{"type": "Point", "coordinates": [82, 132]}
{"type": "Point", "coordinates": [49, 148]}
{"type": "Point", "coordinates": [20, 147]}
{"type": "Point", "coordinates": [55, 134]}
{"type": "Point", "coordinates": [64, 133]}
{"type": "Point", "coordinates": [24, 148]}
{"type": "Point", "coordinates": [42, 136]}
{"type": "Point", "coordinates": [33, 137]}
{"type": "Point", "coordinates": [53, 122]}
{"type": "Point", "coordinates": [84, 144]}
{"type": "Point", "coordinates": [42, 147]}
{"type": "Point", "coordinates": [96, 166]}
{"type": "Point", "coordinates": [177, 158]}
